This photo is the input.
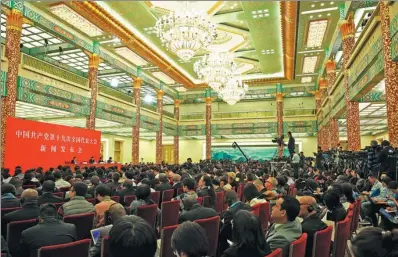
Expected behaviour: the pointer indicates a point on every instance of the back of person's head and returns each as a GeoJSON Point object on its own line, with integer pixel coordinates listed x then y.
{"type": "Point", "coordinates": [103, 190]}
{"type": "Point", "coordinates": [115, 177]}
{"type": "Point", "coordinates": [8, 189]}
{"type": "Point", "coordinates": [292, 207]}
{"type": "Point", "coordinates": [376, 243]}
{"type": "Point", "coordinates": [116, 211]}
{"type": "Point", "coordinates": [29, 195]}
{"type": "Point", "coordinates": [143, 192]}
{"type": "Point", "coordinates": [129, 174]}
{"type": "Point", "coordinates": [281, 181]}
{"type": "Point", "coordinates": [393, 185]}
{"type": "Point", "coordinates": [48, 211]}
{"type": "Point", "coordinates": [16, 182]}
{"type": "Point", "coordinates": [250, 177]}
{"type": "Point", "coordinates": [95, 180]}
{"type": "Point", "coordinates": [128, 184]}
{"type": "Point", "coordinates": [188, 202]}
{"type": "Point", "coordinates": [132, 236]}
{"type": "Point", "coordinates": [57, 174]}
{"type": "Point", "coordinates": [48, 186]}
{"type": "Point", "coordinates": [331, 199]}
{"type": "Point", "coordinates": [190, 240]}
{"type": "Point", "coordinates": [189, 183]}
{"type": "Point", "coordinates": [163, 178]}
{"type": "Point", "coordinates": [231, 197]}
{"type": "Point", "coordinates": [247, 232]}
{"type": "Point", "coordinates": [176, 178]}
{"type": "Point", "coordinates": [250, 192]}
{"type": "Point", "coordinates": [386, 180]}
{"type": "Point", "coordinates": [385, 143]}
{"type": "Point", "coordinates": [348, 192]}
{"type": "Point", "coordinates": [80, 188]}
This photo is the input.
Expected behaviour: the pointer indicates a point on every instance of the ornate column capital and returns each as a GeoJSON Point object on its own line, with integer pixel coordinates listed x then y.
{"type": "Point", "coordinates": [93, 61]}
{"type": "Point", "coordinates": [208, 100]}
{"type": "Point", "coordinates": [279, 97]}
{"type": "Point", "coordinates": [14, 20]}
{"type": "Point", "coordinates": [323, 83]}
{"type": "Point", "coordinates": [177, 102]}
{"type": "Point", "coordinates": [318, 95]}
{"type": "Point", "coordinates": [137, 82]}
{"type": "Point", "coordinates": [330, 66]}
{"type": "Point", "coordinates": [347, 28]}
{"type": "Point", "coordinates": [160, 94]}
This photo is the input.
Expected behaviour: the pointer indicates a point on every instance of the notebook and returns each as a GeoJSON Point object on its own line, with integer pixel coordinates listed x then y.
{"type": "Point", "coordinates": [99, 233]}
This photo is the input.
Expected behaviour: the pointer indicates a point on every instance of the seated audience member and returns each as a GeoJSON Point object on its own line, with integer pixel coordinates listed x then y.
{"type": "Point", "coordinates": [189, 240]}
{"type": "Point", "coordinates": [188, 184]}
{"type": "Point", "coordinates": [247, 237]}
{"type": "Point", "coordinates": [132, 236]}
{"type": "Point", "coordinates": [128, 189]}
{"type": "Point", "coordinates": [389, 220]}
{"type": "Point", "coordinates": [370, 208]}
{"type": "Point", "coordinates": [234, 205]}
{"type": "Point", "coordinates": [95, 181]}
{"type": "Point", "coordinates": [311, 222]}
{"type": "Point", "coordinates": [147, 181]}
{"type": "Point", "coordinates": [176, 183]}
{"type": "Point", "coordinates": [271, 193]}
{"type": "Point", "coordinates": [164, 183]}
{"type": "Point", "coordinates": [206, 189]}
{"type": "Point", "coordinates": [47, 197]}
{"type": "Point", "coordinates": [252, 195]}
{"type": "Point", "coordinates": [286, 228]}
{"type": "Point", "coordinates": [8, 199]}
{"type": "Point", "coordinates": [18, 185]}
{"type": "Point", "coordinates": [336, 211]}
{"type": "Point", "coordinates": [264, 192]}
{"type": "Point", "coordinates": [281, 185]}
{"type": "Point", "coordinates": [59, 181]}
{"type": "Point", "coordinates": [217, 187]}
{"type": "Point", "coordinates": [49, 231]}
{"type": "Point", "coordinates": [374, 242]}
{"type": "Point", "coordinates": [114, 183]}
{"type": "Point", "coordinates": [116, 212]}
{"type": "Point", "coordinates": [225, 184]}
{"type": "Point", "coordinates": [348, 195]}
{"type": "Point", "coordinates": [77, 203]}
{"type": "Point", "coordinates": [30, 209]}
{"type": "Point", "coordinates": [194, 211]}
{"type": "Point", "coordinates": [30, 180]}
{"type": "Point", "coordinates": [143, 194]}
{"type": "Point", "coordinates": [103, 196]}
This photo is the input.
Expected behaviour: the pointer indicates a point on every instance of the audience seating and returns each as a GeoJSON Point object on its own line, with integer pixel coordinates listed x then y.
{"type": "Point", "coordinates": [356, 216]}
{"type": "Point", "coordinates": [219, 202]}
{"type": "Point", "coordinates": [167, 195]}
{"type": "Point", "coordinates": [14, 232]}
{"type": "Point", "coordinates": [28, 186]}
{"type": "Point", "coordinates": [322, 242]}
{"type": "Point", "coordinates": [129, 199]}
{"type": "Point", "coordinates": [297, 248]}
{"type": "Point", "coordinates": [116, 198]}
{"type": "Point", "coordinates": [64, 189]}
{"type": "Point", "coordinates": [240, 191]}
{"type": "Point", "coordinates": [165, 241]}
{"type": "Point", "coordinates": [276, 253]}
{"type": "Point", "coordinates": [105, 246]}
{"type": "Point", "coordinates": [4, 211]}
{"type": "Point", "coordinates": [91, 200]}
{"type": "Point", "coordinates": [211, 227]}
{"type": "Point", "coordinates": [341, 236]}
{"type": "Point", "coordinates": [83, 222]}
{"type": "Point", "coordinates": [76, 249]}
{"type": "Point", "coordinates": [148, 213]}
{"type": "Point", "coordinates": [180, 191]}
{"type": "Point", "coordinates": [170, 213]}
{"type": "Point", "coordinates": [155, 196]}
{"type": "Point", "coordinates": [256, 210]}
{"type": "Point", "coordinates": [58, 204]}
{"type": "Point", "coordinates": [200, 200]}
{"type": "Point", "coordinates": [265, 215]}
{"type": "Point", "coordinates": [59, 194]}
{"type": "Point", "coordinates": [206, 201]}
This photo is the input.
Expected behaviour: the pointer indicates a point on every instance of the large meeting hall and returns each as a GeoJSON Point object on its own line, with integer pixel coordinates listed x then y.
{"type": "Point", "coordinates": [199, 128]}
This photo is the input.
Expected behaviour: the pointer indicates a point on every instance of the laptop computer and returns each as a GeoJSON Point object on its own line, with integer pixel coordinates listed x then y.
{"type": "Point", "coordinates": [99, 233]}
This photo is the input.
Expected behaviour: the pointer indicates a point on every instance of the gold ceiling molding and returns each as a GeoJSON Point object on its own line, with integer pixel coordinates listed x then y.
{"type": "Point", "coordinates": [215, 8]}
{"type": "Point", "coordinates": [97, 15]}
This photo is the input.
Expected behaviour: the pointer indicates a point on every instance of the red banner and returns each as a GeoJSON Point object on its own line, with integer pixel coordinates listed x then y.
{"type": "Point", "coordinates": [32, 144]}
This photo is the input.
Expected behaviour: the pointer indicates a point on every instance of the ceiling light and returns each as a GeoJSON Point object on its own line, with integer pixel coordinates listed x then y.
{"type": "Point", "coordinates": [322, 4]}
{"type": "Point", "coordinates": [114, 82]}
{"type": "Point", "coordinates": [306, 79]}
{"type": "Point", "coordinates": [316, 33]}
{"type": "Point", "coordinates": [320, 10]}
{"type": "Point", "coordinates": [309, 64]}
{"type": "Point", "coordinates": [126, 53]}
{"type": "Point", "coordinates": [163, 77]}
{"type": "Point", "coordinates": [319, 15]}
{"type": "Point", "coordinates": [328, 14]}
{"type": "Point", "coordinates": [148, 99]}
{"type": "Point", "coordinates": [311, 16]}
{"type": "Point", "coordinates": [331, 2]}
{"type": "Point", "coordinates": [76, 20]}
{"type": "Point", "coordinates": [313, 5]}
{"type": "Point", "coordinates": [233, 90]}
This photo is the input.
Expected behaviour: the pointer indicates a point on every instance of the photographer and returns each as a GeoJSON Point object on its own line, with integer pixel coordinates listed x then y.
{"type": "Point", "coordinates": [383, 160]}
{"type": "Point", "coordinates": [373, 151]}
{"type": "Point", "coordinates": [319, 159]}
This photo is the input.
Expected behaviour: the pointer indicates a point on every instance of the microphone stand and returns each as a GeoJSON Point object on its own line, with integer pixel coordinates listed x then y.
{"type": "Point", "coordinates": [235, 145]}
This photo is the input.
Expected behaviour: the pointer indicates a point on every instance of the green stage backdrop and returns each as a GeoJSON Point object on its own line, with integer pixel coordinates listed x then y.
{"type": "Point", "coordinates": [253, 152]}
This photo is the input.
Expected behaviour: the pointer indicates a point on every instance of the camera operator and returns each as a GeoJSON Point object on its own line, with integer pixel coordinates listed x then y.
{"type": "Point", "coordinates": [319, 159]}
{"type": "Point", "coordinates": [383, 159]}
{"type": "Point", "coordinates": [291, 144]}
{"type": "Point", "coordinates": [373, 152]}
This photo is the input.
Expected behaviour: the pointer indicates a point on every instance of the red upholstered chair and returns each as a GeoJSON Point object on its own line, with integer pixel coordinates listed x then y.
{"type": "Point", "coordinates": [105, 246]}
{"type": "Point", "coordinates": [116, 198]}
{"type": "Point", "coordinates": [265, 215]}
{"type": "Point", "coordinates": [14, 231]}
{"type": "Point", "coordinates": [76, 249]}
{"type": "Point", "coordinates": [256, 210]}
{"type": "Point", "coordinates": [276, 253]}
{"type": "Point", "coordinates": [293, 192]}
{"type": "Point", "coordinates": [28, 186]}
{"type": "Point", "coordinates": [129, 199]}
{"type": "Point", "coordinates": [91, 200]}
{"type": "Point", "coordinates": [64, 189]}
{"type": "Point", "coordinates": [148, 213]}
{"type": "Point", "coordinates": [83, 222]}
{"type": "Point", "coordinates": [200, 200]}
{"type": "Point", "coordinates": [167, 195]}
{"type": "Point", "coordinates": [165, 239]}
{"type": "Point", "coordinates": [170, 213]}
{"type": "Point", "coordinates": [219, 202]}
{"type": "Point", "coordinates": [4, 211]}
{"type": "Point", "coordinates": [59, 194]}
{"type": "Point", "coordinates": [297, 248]}
{"type": "Point", "coordinates": [341, 236]}
{"type": "Point", "coordinates": [322, 241]}
{"type": "Point", "coordinates": [211, 227]}
{"type": "Point", "coordinates": [180, 191]}
{"type": "Point", "coordinates": [155, 196]}
{"type": "Point", "coordinates": [206, 201]}
{"type": "Point", "coordinates": [240, 191]}
{"type": "Point", "coordinates": [58, 204]}
{"type": "Point", "coordinates": [355, 217]}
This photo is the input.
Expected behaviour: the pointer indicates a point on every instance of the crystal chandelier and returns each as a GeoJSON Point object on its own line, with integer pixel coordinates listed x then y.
{"type": "Point", "coordinates": [215, 68]}
{"type": "Point", "coordinates": [185, 32]}
{"type": "Point", "coordinates": [233, 90]}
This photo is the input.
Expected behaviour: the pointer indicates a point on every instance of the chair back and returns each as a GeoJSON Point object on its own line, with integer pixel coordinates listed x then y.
{"type": "Point", "coordinates": [293, 192]}
{"type": "Point", "coordinates": [170, 213]}
{"type": "Point", "coordinates": [105, 246]}
{"type": "Point", "coordinates": [128, 199]}
{"type": "Point", "coordinates": [4, 211]}
{"type": "Point", "coordinates": [155, 196]}
{"type": "Point", "coordinates": [211, 227]}
{"type": "Point", "coordinates": [148, 213]}
{"type": "Point", "coordinates": [14, 232]}
{"type": "Point", "coordinates": [265, 215]}
{"type": "Point", "coordinates": [64, 189]}
{"type": "Point", "coordinates": [240, 191]}
{"type": "Point", "coordinates": [276, 253]}
{"type": "Point", "coordinates": [322, 241]}
{"type": "Point", "coordinates": [200, 200]}
{"type": "Point", "coordinates": [219, 202]}
{"type": "Point", "coordinates": [76, 249]}
{"type": "Point", "coordinates": [341, 236]}
{"type": "Point", "coordinates": [256, 210]}
{"type": "Point", "coordinates": [167, 195]}
{"type": "Point", "coordinates": [91, 200]}
{"type": "Point", "coordinates": [180, 191]}
{"type": "Point", "coordinates": [83, 222]}
{"type": "Point", "coordinates": [297, 248]}
{"type": "Point", "coordinates": [58, 204]}
{"type": "Point", "coordinates": [59, 194]}
{"type": "Point", "coordinates": [206, 201]}
{"type": "Point", "coordinates": [355, 217]}
{"type": "Point", "coordinates": [116, 198]}
{"type": "Point", "coordinates": [28, 186]}
{"type": "Point", "coordinates": [165, 241]}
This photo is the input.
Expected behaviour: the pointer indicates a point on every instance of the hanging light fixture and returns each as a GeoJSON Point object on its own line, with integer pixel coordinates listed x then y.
{"type": "Point", "coordinates": [185, 32]}
{"type": "Point", "coordinates": [215, 69]}
{"type": "Point", "coordinates": [233, 90]}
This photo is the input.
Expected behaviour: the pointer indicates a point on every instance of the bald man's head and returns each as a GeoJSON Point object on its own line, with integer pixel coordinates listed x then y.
{"type": "Point", "coordinates": [308, 206]}
{"type": "Point", "coordinates": [116, 211]}
{"type": "Point", "coordinates": [29, 195]}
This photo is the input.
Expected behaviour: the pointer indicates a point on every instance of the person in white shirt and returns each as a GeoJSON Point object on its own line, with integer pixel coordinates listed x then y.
{"type": "Point", "coordinates": [296, 163]}
{"type": "Point", "coordinates": [59, 182]}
